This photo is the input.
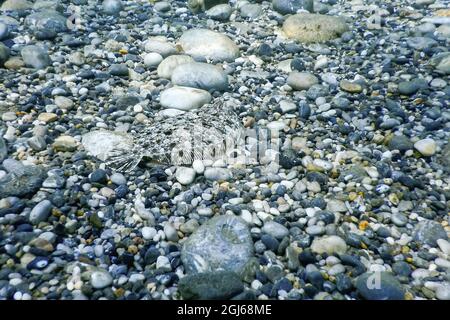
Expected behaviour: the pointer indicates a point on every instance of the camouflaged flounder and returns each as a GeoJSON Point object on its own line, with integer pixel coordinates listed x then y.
{"type": "Point", "coordinates": [205, 133]}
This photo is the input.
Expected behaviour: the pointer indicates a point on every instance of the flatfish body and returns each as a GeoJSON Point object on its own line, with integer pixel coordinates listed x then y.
{"type": "Point", "coordinates": [206, 133]}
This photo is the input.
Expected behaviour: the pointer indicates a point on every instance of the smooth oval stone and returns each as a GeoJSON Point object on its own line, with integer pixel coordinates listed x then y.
{"type": "Point", "coordinates": [292, 6]}
{"type": "Point", "coordinates": [250, 10]}
{"type": "Point", "coordinates": [208, 44]}
{"type": "Point", "coordinates": [379, 286]}
{"type": "Point", "coordinates": [428, 232]}
{"type": "Point", "coordinates": [200, 75]}
{"type": "Point", "coordinates": [222, 243]}
{"type": "Point", "coordinates": [166, 67]}
{"type": "Point", "coordinates": [221, 12]}
{"type": "Point", "coordinates": [48, 20]}
{"type": "Point", "coordinates": [152, 59]}
{"type": "Point", "coordinates": [161, 46]}
{"type": "Point", "coordinates": [308, 27]}
{"type": "Point", "coordinates": [202, 5]}
{"type": "Point", "coordinates": [40, 212]}
{"type": "Point", "coordinates": [301, 80]}
{"type": "Point", "coordinates": [112, 7]}
{"type": "Point", "coordinates": [427, 147]}
{"type": "Point", "coordinates": [329, 244]}
{"type": "Point", "coordinates": [101, 279]}
{"type": "Point", "coordinates": [36, 57]}
{"type": "Point", "coordinates": [185, 175]}
{"type": "Point", "coordinates": [184, 98]}
{"type": "Point", "coordinates": [13, 5]}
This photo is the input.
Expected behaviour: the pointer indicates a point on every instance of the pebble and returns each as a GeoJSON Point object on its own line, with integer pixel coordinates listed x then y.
{"type": "Point", "coordinates": [112, 7]}
{"type": "Point", "coordinates": [308, 27]}
{"type": "Point", "coordinates": [301, 80]}
{"type": "Point", "coordinates": [275, 229]}
{"type": "Point", "coordinates": [35, 57]}
{"type": "Point", "coordinates": [191, 98]}
{"type": "Point", "coordinates": [427, 147]}
{"type": "Point", "coordinates": [210, 285]}
{"type": "Point", "coordinates": [428, 232]}
{"type": "Point", "coordinates": [291, 7]}
{"type": "Point", "coordinates": [40, 212]}
{"type": "Point", "coordinates": [379, 286]}
{"type": "Point", "coordinates": [101, 279]}
{"type": "Point", "coordinates": [152, 59]}
{"type": "Point", "coordinates": [329, 244]}
{"type": "Point", "coordinates": [185, 175]}
{"type": "Point", "coordinates": [220, 12]}
{"type": "Point", "coordinates": [208, 44]}
{"type": "Point", "coordinates": [203, 251]}
{"type": "Point", "coordinates": [200, 75]}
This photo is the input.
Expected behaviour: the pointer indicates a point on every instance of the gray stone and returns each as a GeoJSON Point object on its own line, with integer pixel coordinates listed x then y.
{"type": "Point", "coordinates": [292, 6]}
{"type": "Point", "coordinates": [308, 27]}
{"type": "Point", "coordinates": [48, 20]}
{"type": "Point", "coordinates": [112, 7]}
{"type": "Point", "coordinates": [40, 212]}
{"type": "Point", "coordinates": [399, 219]}
{"type": "Point", "coordinates": [13, 5]}
{"type": "Point", "coordinates": [401, 143]}
{"type": "Point", "coordinates": [379, 286]}
{"type": "Point", "coordinates": [162, 6]}
{"type": "Point", "coordinates": [161, 46]}
{"type": "Point", "coordinates": [184, 98]}
{"type": "Point", "coordinates": [166, 67]}
{"type": "Point", "coordinates": [119, 70]}
{"type": "Point", "coordinates": [301, 80]}
{"type": "Point", "coordinates": [185, 175]}
{"type": "Point", "coordinates": [222, 243]}
{"type": "Point", "coordinates": [4, 54]}
{"type": "Point", "coordinates": [37, 143]}
{"type": "Point", "coordinates": [251, 10]}
{"type": "Point", "coordinates": [35, 57]}
{"type": "Point", "coordinates": [441, 62]}
{"type": "Point", "coordinates": [101, 279]}
{"type": "Point", "coordinates": [203, 5]}
{"type": "Point", "coordinates": [21, 182]}
{"type": "Point", "coordinates": [420, 43]}
{"type": "Point", "coordinates": [207, 44]}
{"type": "Point", "coordinates": [428, 232]}
{"type": "Point", "coordinates": [4, 31]}
{"type": "Point", "coordinates": [3, 149]}
{"type": "Point", "coordinates": [152, 59]}
{"type": "Point", "coordinates": [275, 229]}
{"type": "Point", "coordinates": [221, 12]}
{"type": "Point", "coordinates": [329, 244]}
{"type": "Point", "coordinates": [210, 285]}
{"type": "Point", "coordinates": [200, 75]}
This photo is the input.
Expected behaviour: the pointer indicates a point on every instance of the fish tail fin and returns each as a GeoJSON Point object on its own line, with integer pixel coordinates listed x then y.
{"type": "Point", "coordinates": [123, 160]}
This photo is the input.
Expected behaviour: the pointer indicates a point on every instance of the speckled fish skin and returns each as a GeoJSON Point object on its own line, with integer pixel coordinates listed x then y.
{"type": "Point", "coordinates": [198, 134]}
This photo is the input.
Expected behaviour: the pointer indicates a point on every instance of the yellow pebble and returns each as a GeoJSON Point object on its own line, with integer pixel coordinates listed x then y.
{"type": "Point", "coordinates": [363, 225]}
{"type": "Point", "coordinates": [405, 249]}
{"type": "Point", "coordinates": [352, 196]}
{"type": "Point", "coordinates": [393, 198]}
{"type": "Point", "coordinates": [409, 259]}
{"type": "Point", "coordinates": [409, 296]}
{"type": "Point", "coordinates": [123, 51]}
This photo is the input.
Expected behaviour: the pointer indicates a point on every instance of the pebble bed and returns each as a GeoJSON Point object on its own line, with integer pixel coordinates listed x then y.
{"type": "Point", "coordinates": [359, 195]}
